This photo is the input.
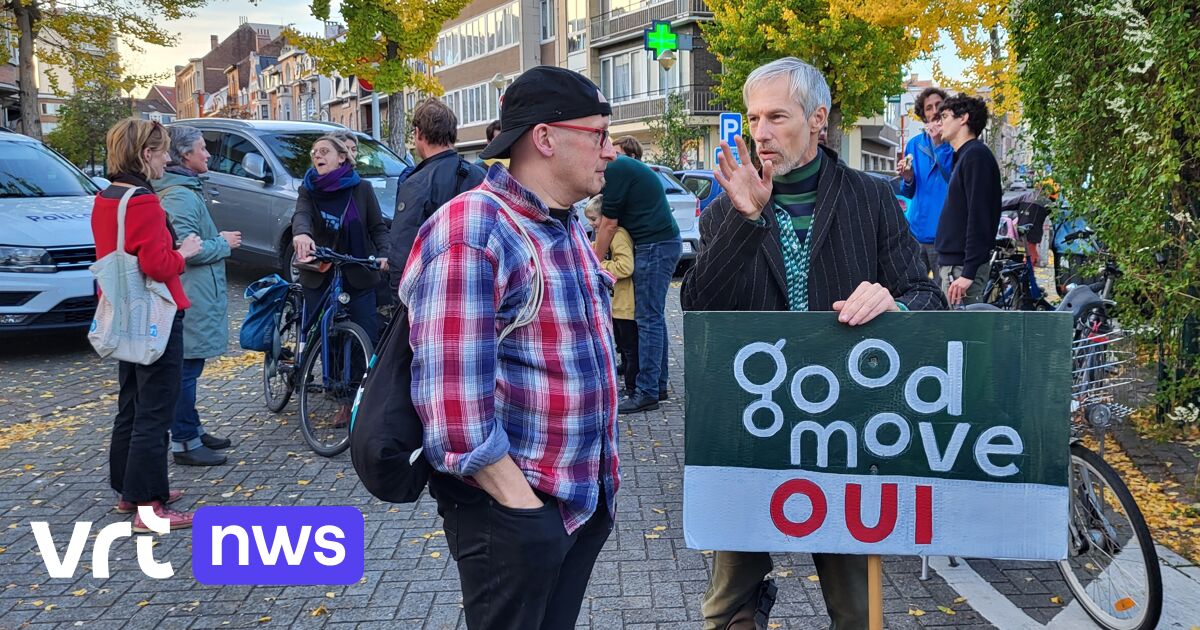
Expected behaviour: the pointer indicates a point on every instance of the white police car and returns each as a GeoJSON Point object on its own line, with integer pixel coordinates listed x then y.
{"type": "Point", "coordinates": [46, 241]}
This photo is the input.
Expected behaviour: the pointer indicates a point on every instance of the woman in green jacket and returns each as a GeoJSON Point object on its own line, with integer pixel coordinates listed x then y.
{"type": "Point", "coordinates": [206, 327]}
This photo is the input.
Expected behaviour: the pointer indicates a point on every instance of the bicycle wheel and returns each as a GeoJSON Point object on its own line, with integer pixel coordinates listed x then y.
{"type": "Point", "coordinates": [333, 369]}
{"type": "Point", "coordinates": [279, 364]}
{"type": "Point", "coordinates": [1111, 566]}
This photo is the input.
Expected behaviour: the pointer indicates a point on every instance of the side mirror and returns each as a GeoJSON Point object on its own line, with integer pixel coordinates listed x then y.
{"type": "Point", "coordinates": [101, 182]}
{"type": "Point", "coordinates": [256, 167]}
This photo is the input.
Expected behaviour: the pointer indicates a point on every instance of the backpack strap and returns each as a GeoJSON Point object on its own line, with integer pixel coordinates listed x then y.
{"type": "Point", "coordinates": [530, 311]}
{"type": "Point", "coordinates": [163, 191]}
{"type": "Point", "coordinates": [929, 152]}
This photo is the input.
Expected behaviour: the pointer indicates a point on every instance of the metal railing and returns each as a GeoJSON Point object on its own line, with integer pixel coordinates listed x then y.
{"type": "Point", "coordinates": [618, 22]}
{"type": "Point", "coordinates": [698, 100]}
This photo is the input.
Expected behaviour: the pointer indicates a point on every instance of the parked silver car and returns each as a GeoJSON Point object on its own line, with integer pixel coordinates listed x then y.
{"type": "Point", "coordinates": [686, 208]}
{"type": "Point", "coordinates": [255, 172]}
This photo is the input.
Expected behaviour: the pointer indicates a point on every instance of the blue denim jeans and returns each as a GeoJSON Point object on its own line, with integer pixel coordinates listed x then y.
{"type": "Point", "coordinates": [653, 265]}
{"type": "Point", "coordinates": [186, 429]}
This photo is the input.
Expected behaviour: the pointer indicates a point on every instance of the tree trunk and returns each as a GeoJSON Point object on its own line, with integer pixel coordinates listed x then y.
{"type": "Point", "coordinates": [395, 135]}
{"type": "Point", "coordinates": [997, 124]}
{"type": "Point", "coordinates": [31, 121]}
{"type": "Point", "coordinates": [834, 132]}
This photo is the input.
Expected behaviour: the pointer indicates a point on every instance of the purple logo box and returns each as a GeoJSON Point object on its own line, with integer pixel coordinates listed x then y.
{"type": "Point", "coordinates": [278, 545]}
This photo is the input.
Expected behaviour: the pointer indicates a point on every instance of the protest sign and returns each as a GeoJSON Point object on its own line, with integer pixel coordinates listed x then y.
{"type": "Point", "coordinates": [919, 433]}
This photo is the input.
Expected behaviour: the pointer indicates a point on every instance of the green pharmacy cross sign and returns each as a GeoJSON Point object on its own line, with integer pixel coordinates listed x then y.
{"type": "Point", "coordinates": [659, 38]}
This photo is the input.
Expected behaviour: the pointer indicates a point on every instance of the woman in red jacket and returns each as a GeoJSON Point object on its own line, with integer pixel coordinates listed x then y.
{"type": "Point", "coordinates": [137, 457]}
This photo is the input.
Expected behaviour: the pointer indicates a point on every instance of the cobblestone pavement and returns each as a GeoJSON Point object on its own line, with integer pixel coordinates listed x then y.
{"type": "Point", "coordinates": [56, 407]}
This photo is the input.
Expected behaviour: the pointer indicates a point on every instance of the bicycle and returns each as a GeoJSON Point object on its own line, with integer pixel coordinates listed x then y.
{"type": "Point", "coordinates": [332, 354]}
{"type": "Point", "coordinates": [1112, 566]}
{"type": "Point", "coordinates": [1011, 284]}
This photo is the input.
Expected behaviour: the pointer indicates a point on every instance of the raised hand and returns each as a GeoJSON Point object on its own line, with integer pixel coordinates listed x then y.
{"type": "Point", "coordinates": [748, 190]}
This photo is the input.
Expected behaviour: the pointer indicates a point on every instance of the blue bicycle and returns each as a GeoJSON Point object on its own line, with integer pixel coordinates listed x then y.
{"type": "Point", "coordinates": [331, 353]}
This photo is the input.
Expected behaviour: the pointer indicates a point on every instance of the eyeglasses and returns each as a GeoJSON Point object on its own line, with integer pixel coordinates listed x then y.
{"type": "Point", "coordinates": [601, 134]}
{"type": "Point", "coordinates": [321, 152]}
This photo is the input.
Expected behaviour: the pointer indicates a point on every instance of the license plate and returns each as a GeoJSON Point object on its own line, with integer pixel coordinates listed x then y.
{"type": "Point", "coordinates": [687, 247]}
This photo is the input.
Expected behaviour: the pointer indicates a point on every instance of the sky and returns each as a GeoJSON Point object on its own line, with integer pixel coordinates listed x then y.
{"type": "Point", "coordinates": [220, 18]}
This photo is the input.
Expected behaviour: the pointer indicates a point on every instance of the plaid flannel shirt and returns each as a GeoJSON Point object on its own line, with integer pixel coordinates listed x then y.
{"type": "Point", "coordinates": [548, 395]}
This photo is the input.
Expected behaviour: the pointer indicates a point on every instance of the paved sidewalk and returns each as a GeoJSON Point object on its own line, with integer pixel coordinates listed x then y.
{"type": "Point", "coordinates": [53, 467]}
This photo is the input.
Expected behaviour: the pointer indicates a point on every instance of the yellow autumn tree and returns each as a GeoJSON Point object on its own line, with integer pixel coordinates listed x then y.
{"type": "Point", "coordinates": [861, 46]}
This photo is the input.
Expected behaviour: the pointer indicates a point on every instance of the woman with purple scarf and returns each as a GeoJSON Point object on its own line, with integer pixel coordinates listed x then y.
{"type": "Point", "coordinates": [338, 210]}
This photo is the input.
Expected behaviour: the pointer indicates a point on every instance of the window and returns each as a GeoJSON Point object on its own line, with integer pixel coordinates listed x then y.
{"type": "Point", "coordinates": [479, 36]}
{"type": "Point", "coordinates": [548, 19]}
{"type": "Point", "coordinates": [576, 25]}
{"type": "Point", "coordinates": [622, 86]}
{"type": "Point", "coordinates": [32, 170]}
{"type": "Point", "coordinates": [699, 186]}
{"type": "Point", "coordinates": [474, 105]}
{"type": "Point", "coordinates": [212, 142]}
{"type": "Point", "coordinates": [233, 151]}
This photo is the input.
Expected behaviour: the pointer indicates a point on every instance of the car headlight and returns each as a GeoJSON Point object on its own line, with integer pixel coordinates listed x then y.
{"type": "Point", "coordinates": [26, 259]}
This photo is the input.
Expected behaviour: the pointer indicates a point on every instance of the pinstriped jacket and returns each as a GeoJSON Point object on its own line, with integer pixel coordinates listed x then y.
{"type": "Point", "coordinates": [860, 235]}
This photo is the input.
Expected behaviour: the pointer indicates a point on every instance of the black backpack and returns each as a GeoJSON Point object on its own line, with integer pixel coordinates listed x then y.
{"type": "Point", "coordinates": [386, 434]}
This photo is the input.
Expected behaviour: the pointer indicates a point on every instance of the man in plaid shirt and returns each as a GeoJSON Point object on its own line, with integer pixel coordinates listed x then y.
{"type": "Point", "coordinates": [522, 433]}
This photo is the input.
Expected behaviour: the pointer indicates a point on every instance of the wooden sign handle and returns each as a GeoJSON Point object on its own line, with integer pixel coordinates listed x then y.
{"type": "Point", "coordinates": [875, 591]}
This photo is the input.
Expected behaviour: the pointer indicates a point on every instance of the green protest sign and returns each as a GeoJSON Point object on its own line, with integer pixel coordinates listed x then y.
{"type": "Point", "coordinates": [939, 433]}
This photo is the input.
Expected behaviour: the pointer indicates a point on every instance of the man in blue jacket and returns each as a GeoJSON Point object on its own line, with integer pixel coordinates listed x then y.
{"type": "Point", "coordinates": [440, 177]}
{"type": "Point", "coordinates": [926, 173]}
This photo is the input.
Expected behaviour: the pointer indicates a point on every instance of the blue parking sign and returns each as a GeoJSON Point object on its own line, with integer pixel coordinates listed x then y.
{"type": "Point", "coordinates": [730, 126]}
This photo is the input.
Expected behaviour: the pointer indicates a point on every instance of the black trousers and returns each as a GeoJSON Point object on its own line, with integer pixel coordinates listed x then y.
{"type": "Point", "coordinates": [137, 456]}
{"type": "Point", "coordinates": [625, 332]}
{"type": "Point", "coordinates": [519, 569]}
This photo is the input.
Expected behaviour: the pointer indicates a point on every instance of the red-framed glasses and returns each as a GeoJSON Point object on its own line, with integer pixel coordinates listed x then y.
{"type": "Point", "coordinates": [601, 134]}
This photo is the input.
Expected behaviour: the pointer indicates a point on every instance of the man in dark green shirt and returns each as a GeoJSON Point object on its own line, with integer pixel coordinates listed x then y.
{"type": "Point", "coordinates": [634, 199]}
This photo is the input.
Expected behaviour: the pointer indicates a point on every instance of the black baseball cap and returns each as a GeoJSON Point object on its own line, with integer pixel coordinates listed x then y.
{"type": "Point", "coordinates": [543, 94]}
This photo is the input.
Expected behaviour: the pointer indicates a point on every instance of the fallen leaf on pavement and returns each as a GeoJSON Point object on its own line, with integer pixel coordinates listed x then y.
{"type": "Point", "coordinates": [652, 536]}
{"type": "Point", "coordinates": [1056, 600]}
{"type": "Point", "coordinates": [143, 603]}
{"type": "Point", "coordinates": [783, 573]}
{"type": "Point", "coordinates": [959, 600]}
{"type": "Point", "coordinates": [946, 610]}
{"type": "Point", "coordinates": [659, 528]}
{"type": "Point", "coordinates": [916, 612]}
{"type": "Point", "coordinates": [436, 554]}
{"type": "Point", "coordinates": [330, 595]}
{"type": "Point", "coordinates": [658, 510]}
{"type": "Point", "coordinates": [814, 578]}
{"type": "Point", "coordinates": [80, 593]}
{"type": "Point", "coordinates": [264, 619]}
{"type": "Point", "coordinates": [320, 610]}
{"type": "Point", "coordinates": [303, 482]}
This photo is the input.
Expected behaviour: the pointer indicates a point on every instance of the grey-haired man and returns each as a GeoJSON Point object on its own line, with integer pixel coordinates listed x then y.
{"type": "Point", "coordinates": [806, 234]}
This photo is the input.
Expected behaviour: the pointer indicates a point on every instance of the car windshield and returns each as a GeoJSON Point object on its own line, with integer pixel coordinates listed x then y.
{"type": "Point", "coordinates": [292, 149]}
{"type": "Point", "coordinates": [31, 170]}
{"type": "Point", "coordinates": [670, 184]}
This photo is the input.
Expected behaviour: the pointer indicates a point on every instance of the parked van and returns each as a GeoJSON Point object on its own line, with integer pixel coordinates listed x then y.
{"type": "Point", "coordinates": [255, 172]}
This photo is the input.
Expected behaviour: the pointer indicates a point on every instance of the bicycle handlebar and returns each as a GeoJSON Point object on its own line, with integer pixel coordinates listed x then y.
{"type": "Point", "coordinates": [324, 254]}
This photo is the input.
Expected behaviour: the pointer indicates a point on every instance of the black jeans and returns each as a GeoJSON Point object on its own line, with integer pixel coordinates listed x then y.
{"type": "Point", "coordinates": [519, 569]}
{"type": "Point", "coordinates": [626, 333]}
{"type": "Point", "coordinates": [137, 456]}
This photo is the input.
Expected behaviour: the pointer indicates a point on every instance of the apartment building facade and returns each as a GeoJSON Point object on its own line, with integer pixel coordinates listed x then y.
{"type": "Point", "coordinates": [203, 78]}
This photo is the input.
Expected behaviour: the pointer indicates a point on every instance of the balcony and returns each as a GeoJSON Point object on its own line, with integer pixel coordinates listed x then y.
{"type": "Point", "coordinates": [625, 22]}
{"type": "Point", "coordinates": [698, 99]}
